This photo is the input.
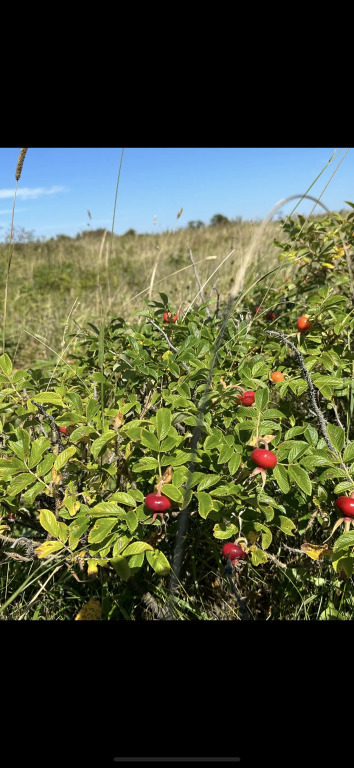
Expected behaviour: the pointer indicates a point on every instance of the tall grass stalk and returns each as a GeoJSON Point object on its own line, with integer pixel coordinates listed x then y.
{"type": "Point", "coordinates": [18, 172]}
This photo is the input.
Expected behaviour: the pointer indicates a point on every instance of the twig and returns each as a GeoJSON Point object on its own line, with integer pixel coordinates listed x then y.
{"type": "Point", "coordinates": [52, 421]}
{"type": "Point", "coordinates": [312, 390]}
{"type": "Point", "coordinates": [185, 366]}
{"type": "Point", "coordinates": [197, 279]}
{"type": "Point", "coordinates": [214, 288]}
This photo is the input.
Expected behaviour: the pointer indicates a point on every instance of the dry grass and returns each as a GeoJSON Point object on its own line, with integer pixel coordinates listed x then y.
{"type": "Point", "coordinates": [106, 278]}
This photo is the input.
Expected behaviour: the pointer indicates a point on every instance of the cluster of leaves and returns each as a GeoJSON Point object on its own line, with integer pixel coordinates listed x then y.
{"type": "Point", "coordinates": [131, 405]}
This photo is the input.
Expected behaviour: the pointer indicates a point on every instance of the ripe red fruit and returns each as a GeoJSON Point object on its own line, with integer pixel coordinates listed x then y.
{"type": "Point", "coordinates": [11, 518]}
{"type": "Point", "coordinates": [233, 551]}
{"type": "Point", "coordinates": [174, 319]}
{"type": "Point", "coordinates": [263, 458]}
{"type": "Point", "coordinates": [166, 316]}
{"type": "Point", "coordinates": [257, 309]}
{"type": "Point", "coordinates": [63, 430]}
{"type": "Point", "coordinates": [270, 316]}
{"type": "Point", "coordinates": [345, 505]}
{"type": "Point", "coordinates": [277, 376]}
{"type": "Point", "coordinates": [247, 398]}
{"type": "Point", "coordinates": [157, 503]}
{"type": "Point", "coordinates": [304, 324]}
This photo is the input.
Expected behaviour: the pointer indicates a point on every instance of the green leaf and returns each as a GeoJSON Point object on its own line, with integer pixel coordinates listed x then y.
{"type": "Point", "coordinates": [301, 478]}
{"type": "Point", "coordinates": [280, 475]}
{"type": "Point", "coordinates": [123, 498]}
{"type": "Point", "coordinates": [258, 557]}
{"type": "Point", "coordinates": [234, 463]}
{"type": "Point", "coordinates": [205, 504]}
{"type": "Point", "coordinates": [348, 454]}
{"type": "Point", "coordinates": [53, 398]}
{"type": "Point", "coordinates": [101, 529]}
{"type": "Point", "coordinates": [31, 494]}
{"type": "Point", "coordinates": [19, 483]}
{"type": "Point", "coordinates": [49, 522]}
{"type": "Point", "coordinates": [102, 441]}
{"type": "Point", "coordinates": [146, 463]}
{"type": "Point", "coordinates": [336, 436]}
{"type": "Point", "coordinates": [76, 530]}
{"type": "Point", "coordinates": [224, 530]}
{"type": "Point", "coordinates": [344, 541]}
{"type": "Point", "coordinates": [286, 525]}
{"type": "Point", "coordinates": [45, 466]}
{"type": "Point", "coordinates": [82, 432]}
{"type": "Point", "coordinates": [104, 508]}
{"type": "Point", "coordinates": [132, 521]}
{"type": "Point", "coordinates": [137, 547]}
{"type": "Point", "coordinates": [150, 440]}
{"type": "Point", "coordinates": [163, 422]}
{"type": "Point", "coordinates": [213, 440]}
{"type": "Point", "coordinates": [64, 457]}
{"type": "Point", "coordinates": [208, 481]}
{"type": "Point", "coordinates": [172, 492]}
{"type": "Point", "coordinates": [225, 453]}
{"type": "Point", "coordinates": [180, 457]}
{"type": "Point", "coordinates": [37, 449]}
{"type": "Point", "coordinates": [5, 364]}
{"type": "Point", "coordinates": [63, 532]}
{"type": "Point", "coordinates": [92, 406]}
{"type": "Point", "coordinates": [121, 567]}
{"type": "Point", "coordinates": [158, 562]}
{"type": "Point", "coordinates": [262, 398]}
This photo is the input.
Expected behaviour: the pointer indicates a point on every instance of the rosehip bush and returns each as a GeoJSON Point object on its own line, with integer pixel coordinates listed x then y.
{"type": "Point", "coordinates": [136, 404]}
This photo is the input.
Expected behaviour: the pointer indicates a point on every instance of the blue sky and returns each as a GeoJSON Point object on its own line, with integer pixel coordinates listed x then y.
{"type": "Point", "coordinates": [58, 186]}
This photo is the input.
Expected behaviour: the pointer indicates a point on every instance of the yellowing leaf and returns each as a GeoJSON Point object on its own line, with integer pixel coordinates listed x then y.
{"type": "Point", "coordinates": [254, 440]}
{"type": "Point", "coordinates": [315, 551]}
{"type": "Point", "coordinates": [91, 611]}
{"type": "Point", "coordinates": [56, 476]}
{"type": "Point", "coordinates": [72, 505]}
{"type": "Point", "coordinates": [252, 536]}
{"type": "Point", "coordinates": [118, 421]}
{"type": "Point", "coordinates": [47, 548]}
{"type": "Point", "coordinates": [329, 266]}
{"type": "Point", "coordinates": [92, 567]}
{"type": "Point", "coordinates": [168, 475]}
{"type": "Point", "coordinates": [166, 354]}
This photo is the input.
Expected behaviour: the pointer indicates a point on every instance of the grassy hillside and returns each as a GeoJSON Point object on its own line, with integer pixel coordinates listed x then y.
{"type": "Point", "coordinates": [57, 284]}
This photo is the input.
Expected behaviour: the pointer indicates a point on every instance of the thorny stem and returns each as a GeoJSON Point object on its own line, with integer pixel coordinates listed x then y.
{"type": "Point", "coordinates": [321, 420]}
{"type": "Point", "coordinates": [185, 366]}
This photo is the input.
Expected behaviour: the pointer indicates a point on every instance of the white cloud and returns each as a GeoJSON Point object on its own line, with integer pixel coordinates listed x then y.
{"type": "Point", "coordinates": [30, 194]}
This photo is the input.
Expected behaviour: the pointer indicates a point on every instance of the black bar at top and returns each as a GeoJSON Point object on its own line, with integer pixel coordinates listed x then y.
{"type": "Point", "coordinates": [177, 759]}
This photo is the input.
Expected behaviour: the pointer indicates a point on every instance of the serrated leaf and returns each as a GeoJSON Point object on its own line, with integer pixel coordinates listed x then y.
{"type": "Point", "coordinates": [37, 449]}
{"type": "Point", "coordinates": [286, 525]}
{"type": "Point", "coordinates": [225, 453]}
{"type": "Point", "coordinates": [72, 505]}
{"type": "Point", "coordinates": [150, 440]}
{"type": "Point", "coordinates": [53, 398]}
{"type": "Point", "coordinates": [147, 463]}
{"type": "Point", "coordinates": [123, 498]}
{"type": "Point", "coordinates": [76, 530]}
{"type": "Point", "coordinates": [101, 529]}
{"type": "Point", "coordinates": [348, 454]}
{"type": "Point", "coordinates": [163, 422]}
{"type": "Point", "coordinates": [208, 481]}
{"type": "Point", "coordinates": [47, 548]}
{"type": "Point", "coordinates": [234, 463]}
{"type": "Point", "coordinates": [132, 521]}
{"type": "Point", "coordinates": [64, 457]}
{"type": "Point", "coordinates": [104, 508]}
{"type": "Point", "coordinates": [337, 436]}
{"type": "Point", "coordinates": [224, 531]}
{"type": "Point", "coordinates": [315, 551]}
{"type": "Point", "coordinates": [31, 493]}
{"type": "Point", "coordinates": [262, 398]}
{"type": "Point", "coordinates": [82, 433]}
{"type": "Point", "coordinates": [280, 475]}
{"type": "Point", "coordinates": [158, 562]}
{"type": "Point", "coordinates": [46, 464]}
{"type": "Point", "coordinates": [102, 441]}
{"type": "Point", "coordinates": [301, 478]}
{"type": "Point", "coordinates": [137, 547]}
{"type": "Point", "coordinates": [5, 364]}
{"type": "Point", "coordinates": [121, 567]}
{"type": "Point", "coordinates": [205, 504]}
{"type": "Point", "coordinates": [49, 522]}
{"type": "Point", "coordinates": [258, 557]}
{"type": "Point", "coordinates": [19, 483]}
{"type": "Point", "coordinates": [172, 492]}
{"type": "Point", "coordinates": [344, 541]}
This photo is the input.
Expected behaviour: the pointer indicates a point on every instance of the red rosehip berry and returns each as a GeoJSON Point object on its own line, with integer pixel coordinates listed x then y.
{"type": "Point", "coordinates": [63, 430]}
{"type": "Point", "coordinates": [304, 324]}
{"type": "Point", "coordinates": [247, 398]}
{"type": "Point", "coordinates": [345, 505]}
{"type": "Point", "coordinates": [270, 316]}
{"type": "Point", "coordinates": [233, 551]}
{"type": "Point", "coordinates": [174, 319]}
{"type": "Point", "coordinates": [263, 458]}
{"type": "Point", "coordinates": [11, 518]}
{"type": "Point", "coordinates": [157, 503]}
